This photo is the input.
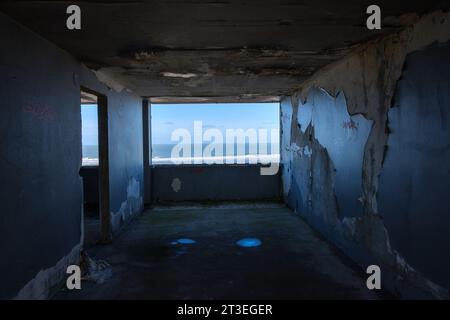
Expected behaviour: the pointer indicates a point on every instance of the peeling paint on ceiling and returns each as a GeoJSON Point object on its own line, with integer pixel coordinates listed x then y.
{"type": "Point", "coordinates": [212, 49]}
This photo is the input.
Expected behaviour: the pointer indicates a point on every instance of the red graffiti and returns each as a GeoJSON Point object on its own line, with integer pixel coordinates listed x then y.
{"type": "Point", "coordinates": [197, 170]}
{"type": "Point", "coordinates": [40, 112]}
{"type": "Point", "coordinates": [350, 125]}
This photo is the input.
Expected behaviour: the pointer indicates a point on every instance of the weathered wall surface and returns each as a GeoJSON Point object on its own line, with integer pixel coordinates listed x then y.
{"type": "Point", "coordinates": [125, 134]}
{"type": "Point", "coordinates": [344, 137]}
{"type": "Point", "coordinates": [125, 144]}
{"type": "Point", "coordinates": [213, 183]}
{"type": "Point", "coordinates": [126, 165]}
{"type": "Point", "coordinates": [335, 135]}
{"type": "Point", "coordinates": [40, 158]}
{"type": "Point", "coordinates": [415, 180]}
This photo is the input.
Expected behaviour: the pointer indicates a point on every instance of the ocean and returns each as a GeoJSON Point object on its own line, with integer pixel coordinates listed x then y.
{"type": "Point", "coordinates": [90, 155]}
{"type": "Point", "coordinates": [161, 154]}
{"type": "Point", "coordinates": [242, 153]}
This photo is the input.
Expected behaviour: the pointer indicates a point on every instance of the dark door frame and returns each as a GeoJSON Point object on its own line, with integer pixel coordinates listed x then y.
{"type": "Point", "coordinates": [103, 165]}
{"type": "Point", "coordinates": [146, 123]}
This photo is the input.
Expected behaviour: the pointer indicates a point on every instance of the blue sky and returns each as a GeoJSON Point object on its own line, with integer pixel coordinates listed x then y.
{"type": "Point", "coordinates": [168, 117]}
{"type": "Point", "coordinates": [89, 130]}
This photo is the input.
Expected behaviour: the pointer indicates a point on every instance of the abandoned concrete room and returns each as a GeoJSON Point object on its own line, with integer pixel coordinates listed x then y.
{"type": "Point", "coordinates": [225, 149]}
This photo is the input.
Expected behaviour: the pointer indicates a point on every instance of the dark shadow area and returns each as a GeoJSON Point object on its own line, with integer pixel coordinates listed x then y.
{"type": "Point", "coordinates": [90, 205]}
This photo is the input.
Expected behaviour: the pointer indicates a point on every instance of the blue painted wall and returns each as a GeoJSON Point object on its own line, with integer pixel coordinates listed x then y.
{"type": "Point", "coordinates": [40, 153]}
{"type": "Point", "coordinates": [213, 183]}
{"type": "Point", "coordinates": [414, 196]}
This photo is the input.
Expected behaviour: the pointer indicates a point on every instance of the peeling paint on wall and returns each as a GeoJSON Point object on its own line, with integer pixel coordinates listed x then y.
{"type": "Point", "coordinates": [44, 200]}
{"type": "Point", "coordinates": [41, 286]}
{"type": "Point", "coordinates": [349, 100]}
{"type": "Point", "coordinates": [344, 137]}
{"type": "Point", "coordinates": [176, 184]}
{"type": "Point", "coordinates": [416, 168]}
{"type": "Point", "coordinates": [285, 127]}
{"type": "Point", "coordinates": [46, 281]}
{"type": "Point", "coordinates": [131, 206]}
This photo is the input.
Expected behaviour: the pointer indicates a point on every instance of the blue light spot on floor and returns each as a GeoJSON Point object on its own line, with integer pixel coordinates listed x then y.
{"type": "Point", "coordinates": [249, 242]}
{"type": "Point", "coordinates": [184, 241]}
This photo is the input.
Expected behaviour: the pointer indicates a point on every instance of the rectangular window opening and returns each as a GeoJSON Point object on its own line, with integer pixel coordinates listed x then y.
{"type": "Point", "coordinates": [89, 133]}
{"type": "Point", "coordinates": [215, 133]}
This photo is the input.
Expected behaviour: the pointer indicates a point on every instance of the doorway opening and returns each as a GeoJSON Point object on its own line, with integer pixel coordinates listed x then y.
{"type": "Point", "coordinates": [94, 169]}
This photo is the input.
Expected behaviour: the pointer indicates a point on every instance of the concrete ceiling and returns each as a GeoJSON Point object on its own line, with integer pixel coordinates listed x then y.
{"type": "Point", "coordinates": [218, 49]}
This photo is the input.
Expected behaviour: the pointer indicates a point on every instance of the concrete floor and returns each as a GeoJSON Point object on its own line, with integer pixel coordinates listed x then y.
{"type": "Point", "coordinates": [292, 263]}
